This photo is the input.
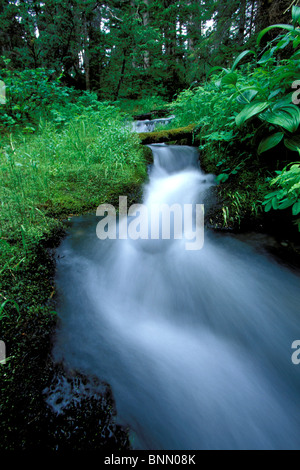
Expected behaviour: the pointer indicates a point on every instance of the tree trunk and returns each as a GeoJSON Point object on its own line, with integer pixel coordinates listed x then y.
{"type": "Point", "coordinates": [271, 12]}
{"type": "Point", "coordinates": [242, 22]}
{"type": "Point", "coordinates": [170, 28]}
{"type": "Point", "coordinates": [194, 26]}
{"type": "Point", "coordinates": [86, 53]}
{"type": "Point", "coordinates": [146, 21]}
{"type": "Point", "coordinates": [252, 17]}
{"type": "Point", "coordinates": [121, 76]}
{"type": "Point", "coordinates": [262, 18]}
{"type": "Point", "coordinates": [226, 10]}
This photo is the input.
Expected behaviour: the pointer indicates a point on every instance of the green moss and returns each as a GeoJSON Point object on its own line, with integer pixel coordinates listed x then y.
{"type": "Point", "coordinates": [171, 135]}
{"type": "Point", "coordinates": [148, 155]}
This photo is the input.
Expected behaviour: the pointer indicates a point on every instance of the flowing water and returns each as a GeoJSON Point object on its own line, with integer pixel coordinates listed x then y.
{"type": "Point", "coordinates": [196, 345]}
{"type": "Point", "coordinates": [150, 125]}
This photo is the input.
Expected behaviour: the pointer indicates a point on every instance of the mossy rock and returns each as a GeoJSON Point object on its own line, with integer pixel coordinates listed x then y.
{"type": "Point", "coordinates": [148, 155]}
{"type": "Point", "coordinates": [172, 135]}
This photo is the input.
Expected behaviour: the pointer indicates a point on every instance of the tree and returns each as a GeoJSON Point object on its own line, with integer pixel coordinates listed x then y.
{"type": "Point", "coordinates": [122, 48]}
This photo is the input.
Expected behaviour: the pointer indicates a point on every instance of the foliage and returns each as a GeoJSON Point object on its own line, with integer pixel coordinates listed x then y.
{"type": "Point", "coordinates": [126, 49]}
{"type": "Point", "coordinates": [247, 116]}
{"type": "Point", "coordinates": [287, 193]}
{"type": "Point", "coordinates": [36, 94]}
{"type": "Point", "coordinates": [143, 105]}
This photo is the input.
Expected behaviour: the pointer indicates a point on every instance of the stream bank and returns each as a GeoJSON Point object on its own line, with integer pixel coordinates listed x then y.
{"type": "Point", "coordinates": [28, 422]}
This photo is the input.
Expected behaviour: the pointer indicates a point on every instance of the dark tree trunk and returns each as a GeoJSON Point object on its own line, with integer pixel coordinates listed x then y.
{"type": "Point", "coordinates": [121, 76]}
{"type": "Point", "coordinates": [226, 10]}
{"type": "Point", "coordinates": [263, 15]}
{"type": "Point", "coordinates": [86, 54]}
{"type": "Point", "coordinates": [146, 21]}
{"type": "Point", "coordinates": [194, 25]}
{"type": "Point", "coordinates": [252, 17]}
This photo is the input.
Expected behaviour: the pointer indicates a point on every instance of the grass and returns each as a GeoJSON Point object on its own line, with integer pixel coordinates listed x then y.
{"type": "Point", "coordinates": [58, 173]}
{"type": "Point", "coordinates": [54, 174]}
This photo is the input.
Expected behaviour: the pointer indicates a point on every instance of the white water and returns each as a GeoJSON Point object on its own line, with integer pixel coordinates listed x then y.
{"type": "Point", "coordinates": [150, 126]}
{"type": "Point", "coordinates": [196, 345]}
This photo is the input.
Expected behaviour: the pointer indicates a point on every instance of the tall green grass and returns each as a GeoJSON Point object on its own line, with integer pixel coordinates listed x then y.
{"type": "Point", "coordinates": [58, 172]}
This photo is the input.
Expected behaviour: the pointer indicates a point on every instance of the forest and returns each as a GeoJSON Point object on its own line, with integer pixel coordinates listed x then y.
{"type": "Point", "coordinates": [127, 49]}
{"type": "Point", "coordinates": [75, 75]}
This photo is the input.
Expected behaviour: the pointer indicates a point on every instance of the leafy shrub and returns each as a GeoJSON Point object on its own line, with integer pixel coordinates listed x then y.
{"type": "Point", "coordinates": [246, 111]}
{"type": "Point", "coordinates": [32, 95]}
{"type": "Point", "coordinates": [287, 193]}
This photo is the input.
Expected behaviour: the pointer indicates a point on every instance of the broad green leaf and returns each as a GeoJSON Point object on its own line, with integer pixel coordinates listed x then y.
{"type": "Point", "coordinates": [270, 142]}
{"type": "Point", "coordinates": [293, 143]}
{"type": "Point", "coordinates": [287, 203]}
{"type": "Point", "coordinates": [296, 208]}
{"type": "Point", "coordinates": [296, 15]}
{"type": "Point", "coordinates": [297, 54]}
{"type": "Point", "coordinates": [222, 178]}
{"type": "Point", "coordinates": [214, 69]}
{"type": "Point", "coordinates": [247, 96]}
{"type": "Point", "coordinates": [284, 42]}
{"type": "Point", "coordinates": [250, 111]}
{"type": "Point", "coordinates": [268, 206]}
{"type": "Point", "coordinates": [296, 44]}
{"type": "Point", "coordinates": [267, 56]}
{"type": "Point", "coordinates": [275, 203]}
{"type": "Point", "coordinates": [239, 58]}
{"type": "Point", "coordinates": [285, 101]}
{"type": "Point", "coordinates": [230, 79]}
{"type": "Point", "coordinates": [271, 195]}
{"type": "Point", "coordinates": [287, 27]}
{"type": "Point", "coordinates": [274, 93]}
{"type": "Point", "coordinates": [287, 117]}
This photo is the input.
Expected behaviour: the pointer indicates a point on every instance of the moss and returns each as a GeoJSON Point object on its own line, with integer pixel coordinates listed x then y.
{"type": "Point", "coordinates": [148, 155]}
{"type": "Point", "coordinates": [172, 135]}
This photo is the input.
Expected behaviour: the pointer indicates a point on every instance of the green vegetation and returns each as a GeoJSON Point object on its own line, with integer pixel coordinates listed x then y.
{"type": "Point", "coordinates": [72, 75]}
{"type": "Point", "coordinates": [288, 191]}
{"type": "Point", "coordinates": [247, 119]}
{"type": "Point", "coordinates": [170, 135]}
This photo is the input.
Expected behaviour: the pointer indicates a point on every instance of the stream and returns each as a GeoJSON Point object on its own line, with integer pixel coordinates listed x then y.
{"type": "Point", "coordinates": [196, 345]}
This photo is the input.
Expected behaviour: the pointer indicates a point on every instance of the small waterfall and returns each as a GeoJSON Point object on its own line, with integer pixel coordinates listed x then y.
{"type": "Point", "coordinates": [196, 345]}
{"type": "Point", "coordinates": [150, 126]}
